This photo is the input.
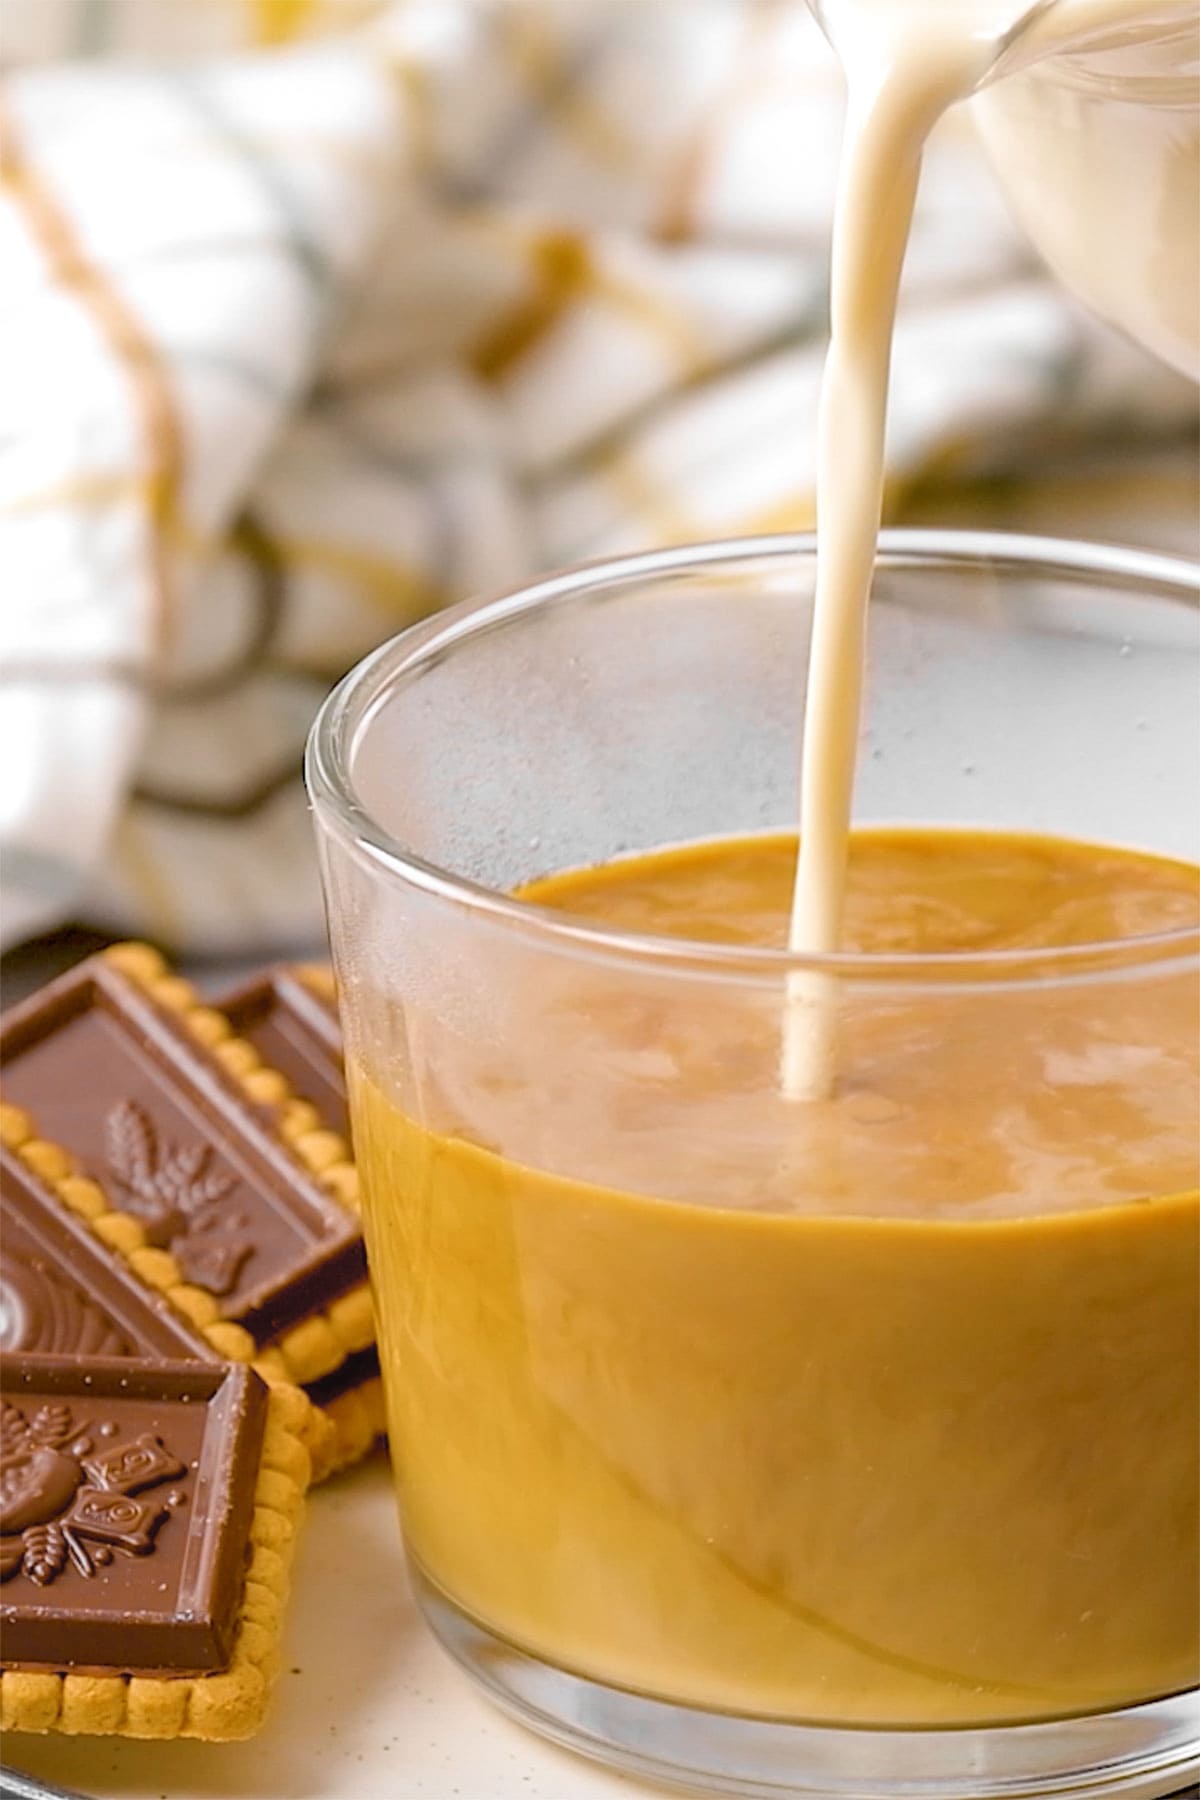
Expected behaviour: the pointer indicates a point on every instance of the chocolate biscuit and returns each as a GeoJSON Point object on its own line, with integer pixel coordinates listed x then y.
{"type": "Point", "coordinates": [246, 1224]}
{"type": "Point", "coordinates": [147, 1516]}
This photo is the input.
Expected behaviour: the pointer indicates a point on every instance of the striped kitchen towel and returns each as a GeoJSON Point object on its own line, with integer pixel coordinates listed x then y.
{"type": "Point", "coordinates": [317, 314]}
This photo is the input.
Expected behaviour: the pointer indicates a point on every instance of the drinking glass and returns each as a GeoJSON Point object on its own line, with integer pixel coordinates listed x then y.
{"type": "Point", "coordinates": [770, 1497]}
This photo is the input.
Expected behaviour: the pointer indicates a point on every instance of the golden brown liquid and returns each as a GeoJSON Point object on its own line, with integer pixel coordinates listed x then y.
{"type": "Point", "coordinates": [892, 1419]}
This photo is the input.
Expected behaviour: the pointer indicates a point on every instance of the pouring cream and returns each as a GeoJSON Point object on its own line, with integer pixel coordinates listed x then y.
{"type": "Point", "coordinates": [906, 62]}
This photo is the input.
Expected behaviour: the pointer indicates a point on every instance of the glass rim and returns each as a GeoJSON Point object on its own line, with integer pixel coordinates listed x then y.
{"type": "Point", "coordinates": [350, 704]}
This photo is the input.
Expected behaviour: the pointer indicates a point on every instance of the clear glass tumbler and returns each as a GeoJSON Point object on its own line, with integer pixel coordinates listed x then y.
{"type": "Point", "coordinates": [764, 1499]}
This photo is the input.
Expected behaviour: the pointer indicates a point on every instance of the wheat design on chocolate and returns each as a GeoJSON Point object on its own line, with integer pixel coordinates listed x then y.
{"type": "Point", "coordinates": [181, 1204]}
{"type": "Point", "coordinates": [62, 1500]}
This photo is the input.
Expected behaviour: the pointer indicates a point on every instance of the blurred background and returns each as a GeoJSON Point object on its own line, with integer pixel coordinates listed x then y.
{"type": "Point", "coordinates": [316, 315]}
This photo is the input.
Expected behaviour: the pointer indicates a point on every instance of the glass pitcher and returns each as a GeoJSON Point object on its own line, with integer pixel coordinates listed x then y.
{"type": "Point", "coordinates": [1098, 149]}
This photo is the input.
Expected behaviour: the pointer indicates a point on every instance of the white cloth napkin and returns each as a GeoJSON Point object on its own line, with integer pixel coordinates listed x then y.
{"type": "Point", "coordinates": [301, 339]}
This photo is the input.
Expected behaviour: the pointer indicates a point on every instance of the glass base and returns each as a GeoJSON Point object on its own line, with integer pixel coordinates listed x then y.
{"type": "Point", "coordinates": [1137, 1753]}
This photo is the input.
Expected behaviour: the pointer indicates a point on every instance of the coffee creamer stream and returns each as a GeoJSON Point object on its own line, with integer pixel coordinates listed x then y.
{"type": "Point", "coordinates": [906, 62]}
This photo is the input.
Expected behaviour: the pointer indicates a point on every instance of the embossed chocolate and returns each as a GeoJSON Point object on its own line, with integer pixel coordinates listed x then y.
{"type": "Point", "coordinates": [178, 1198]}
{"type": "Point", "coordinates": [62, 1293]}
{"type": "Point", "coordinates": [204, 1171]}
{"type": "Point", "coordinates": [152, 1115]}
{"type": "Point", "coordinates": [294, 1026]}
{"type": "Point", "coordinates": [126, 1497]}
{"type": "Point", "coordinates": [60, 1502]}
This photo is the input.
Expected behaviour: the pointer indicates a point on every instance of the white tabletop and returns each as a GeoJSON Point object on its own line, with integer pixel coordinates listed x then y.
{"type": "Point", "coordinates": [367, 1706]}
